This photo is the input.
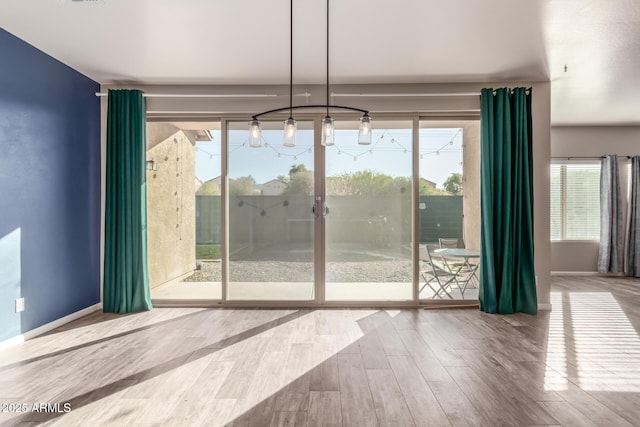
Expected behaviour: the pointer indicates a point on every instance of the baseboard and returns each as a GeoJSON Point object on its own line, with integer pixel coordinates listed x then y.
{"type": "Point", "coordinates": [48, 327]}
{"type": "Point", "coordinates": [544, 307]}
{"type": "Point", "coordinates": [575, 273]}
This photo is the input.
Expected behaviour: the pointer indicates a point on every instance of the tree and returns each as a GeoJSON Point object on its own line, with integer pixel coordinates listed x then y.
{"type": "Point", "coordinates": [300, 183]}
{"type": "Point", "coordinates": [296, 169]}
{"type": "Point", "coordinates": [367, 182]}
{"type": "Point", "coordinates": [243, 186]}
{"type": "Point", "coordinates": [209, 188]}
{"type": "Point", "coordinates": [429, 189]}
{"type": "Point", "coordinates": [453, 184]}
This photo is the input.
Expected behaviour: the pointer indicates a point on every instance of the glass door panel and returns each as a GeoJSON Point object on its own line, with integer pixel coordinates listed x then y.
{"type": "Point", "coordinates": [270, 219]}
{"type": "Point", "coordinates": [368, 220]}
{"type": "Point", "coordinates": [449, 209]}
{"type": "Point", "coordinates": [183, 210]}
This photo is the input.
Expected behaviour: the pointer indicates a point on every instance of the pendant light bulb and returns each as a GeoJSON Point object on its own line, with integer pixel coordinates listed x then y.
{"type": "Point", "coordinates": [289, 139]}
{"type": "Point", "coordinates": [328, 132]}
{"type": "Point", "coordinates": [255, 134]}
{"type": "Point", "coordinates": [364, 134]}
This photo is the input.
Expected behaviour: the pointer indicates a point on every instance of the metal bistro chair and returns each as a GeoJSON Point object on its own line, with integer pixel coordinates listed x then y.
{"type": "Point", "coordinates": [462, 270]}
{"type": "Point", "coordinates": [435, 274]}
{"type": "Point", "coordinates": [451, 243]}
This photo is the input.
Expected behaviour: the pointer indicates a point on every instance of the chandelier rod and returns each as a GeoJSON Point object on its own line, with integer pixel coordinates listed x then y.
{"type": "Point", "coordinates": [291, 59]}
{"type": "Point", "coordinates": [327, 58]}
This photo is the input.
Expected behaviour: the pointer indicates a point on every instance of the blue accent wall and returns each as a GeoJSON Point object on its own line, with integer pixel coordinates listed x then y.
{"type": "Point", "coordinates": [49, 188]}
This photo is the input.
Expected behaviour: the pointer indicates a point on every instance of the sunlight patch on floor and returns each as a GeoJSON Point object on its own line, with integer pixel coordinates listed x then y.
{"type": "Point", "coordinates": [555, 378]}
{"type": "Point", "coordinates": [606, 344]}
{"type": "Point", "coordinates": [591, 343]}
{"type": "Point", "coordinates": [92, 334]}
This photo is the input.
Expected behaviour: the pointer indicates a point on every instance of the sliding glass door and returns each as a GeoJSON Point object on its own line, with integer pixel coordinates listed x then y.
{"type": "Point", "coordinates": [368, 217]}
{"type": "Point", "coordinates": [449, 209]}
{"type": "Point", "coordinates": [270, 220]}
{"type": "Point", "coordinates": [363, 208]}
{"type": "Point", "coordinates": [240, 220]}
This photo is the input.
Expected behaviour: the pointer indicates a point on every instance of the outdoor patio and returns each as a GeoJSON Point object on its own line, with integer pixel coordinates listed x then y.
{"type": "Point", "coordinates": [287, 274]}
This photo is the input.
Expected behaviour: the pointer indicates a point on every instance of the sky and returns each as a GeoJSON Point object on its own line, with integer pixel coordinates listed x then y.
{"type": "Point", "coordinates": [389, 153]}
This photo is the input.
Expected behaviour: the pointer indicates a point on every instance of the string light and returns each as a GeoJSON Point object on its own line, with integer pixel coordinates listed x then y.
{"type": "Point", "coordinates": [386, 134]}
{"type": "Point", "coordinates": [442, 149]}
{"type": "Point", "coordinates": [263, 209]}
{"type": "Point", "coordinates": [273, 148]}
{"type": "Point", "coordinates": [201, 150]}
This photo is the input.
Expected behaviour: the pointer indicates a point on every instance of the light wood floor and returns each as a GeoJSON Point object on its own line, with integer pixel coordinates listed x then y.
{"type": "Point", "coordinates": [579, 365]}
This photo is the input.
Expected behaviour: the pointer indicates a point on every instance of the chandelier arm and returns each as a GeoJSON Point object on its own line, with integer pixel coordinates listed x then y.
{"type": "Point", "coordinates": [296, 107]}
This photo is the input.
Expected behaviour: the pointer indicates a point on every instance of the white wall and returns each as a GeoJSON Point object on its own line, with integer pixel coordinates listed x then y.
{"type": "Point", "coordinates": [591, 141]}
{"type": "Point", "coordinates": [450, 107]}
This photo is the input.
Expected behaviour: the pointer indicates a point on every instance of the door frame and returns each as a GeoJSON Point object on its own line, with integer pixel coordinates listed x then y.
{"type": "Point", "coordinates": [319, 284]}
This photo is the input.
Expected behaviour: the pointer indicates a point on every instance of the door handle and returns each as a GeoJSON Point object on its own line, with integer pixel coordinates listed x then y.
{"type": "Point", "coordinates": [325, 209]}
{"type": "Point", "coordinates": [320, 208]}
{"type": "Point", "coordinates": [315, 208]}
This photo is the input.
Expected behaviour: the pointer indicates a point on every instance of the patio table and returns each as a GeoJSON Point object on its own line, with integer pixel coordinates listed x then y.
{"type": "Point", "coordinates": [465, 271]}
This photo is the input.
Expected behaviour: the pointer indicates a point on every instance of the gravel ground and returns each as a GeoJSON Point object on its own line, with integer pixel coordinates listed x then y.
{"type": "Point", "coordinates": [296, 271]}
{"type": "Point", "coordinates": [294, 263]}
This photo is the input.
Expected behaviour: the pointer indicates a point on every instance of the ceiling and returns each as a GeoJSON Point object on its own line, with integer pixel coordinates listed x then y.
{"type": "Point", "coordinates": [404, 41]}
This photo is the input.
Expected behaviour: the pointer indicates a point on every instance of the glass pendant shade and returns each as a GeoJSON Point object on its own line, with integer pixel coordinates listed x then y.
{"type": "Point", "coordinates": [289, 138]}
{"type": "Point", "coordinates": [364, 134]}
{"type": "Point", "coordinates": [255, 134]}
{"type": "Point", "coordinates": [328, 132]}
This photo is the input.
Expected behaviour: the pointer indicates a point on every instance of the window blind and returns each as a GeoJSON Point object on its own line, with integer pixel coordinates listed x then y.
{"type": "Point", "coordinates": [575, 201]}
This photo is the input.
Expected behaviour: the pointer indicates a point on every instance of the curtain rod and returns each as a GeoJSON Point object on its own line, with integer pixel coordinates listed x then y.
{"type": "Point", "coordinates": [399, 95]}
{"type": "Point", "coordinates": [211, 95]}
{"type": "Point", "coordinates": [585, 158]}
{"type": "Point", "coordinates": [417, 95]}
{"type": "Point", "coordinates": [306, 94]}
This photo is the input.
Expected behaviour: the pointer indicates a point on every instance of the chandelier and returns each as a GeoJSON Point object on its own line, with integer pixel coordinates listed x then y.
{"type": "Point", "coordinates": [290, 125]}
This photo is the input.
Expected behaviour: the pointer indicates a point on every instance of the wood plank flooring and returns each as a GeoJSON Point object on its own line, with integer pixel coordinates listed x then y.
{"type": "Point", "coordinates": [577, 365]}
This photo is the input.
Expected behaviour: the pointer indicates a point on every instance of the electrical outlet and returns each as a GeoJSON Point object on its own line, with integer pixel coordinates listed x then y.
{"type": "Point", "coordinates": [19, 305]}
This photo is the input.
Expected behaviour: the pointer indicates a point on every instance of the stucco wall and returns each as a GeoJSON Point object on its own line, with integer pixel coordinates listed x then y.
{"type": "Point", "coordinates": [170, 203]}
{"type": "Point", "coordinates": [471, 174]}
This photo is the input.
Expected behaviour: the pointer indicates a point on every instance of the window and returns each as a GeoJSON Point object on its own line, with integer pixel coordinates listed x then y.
{"type": "Point", "coordinates": [575, 201]}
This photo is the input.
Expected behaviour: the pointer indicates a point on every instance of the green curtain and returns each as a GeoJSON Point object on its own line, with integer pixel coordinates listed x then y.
{"type": "Point", "coordinates": [507, 275]}
{"type": "Point", "coordinates": [126, 276]}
